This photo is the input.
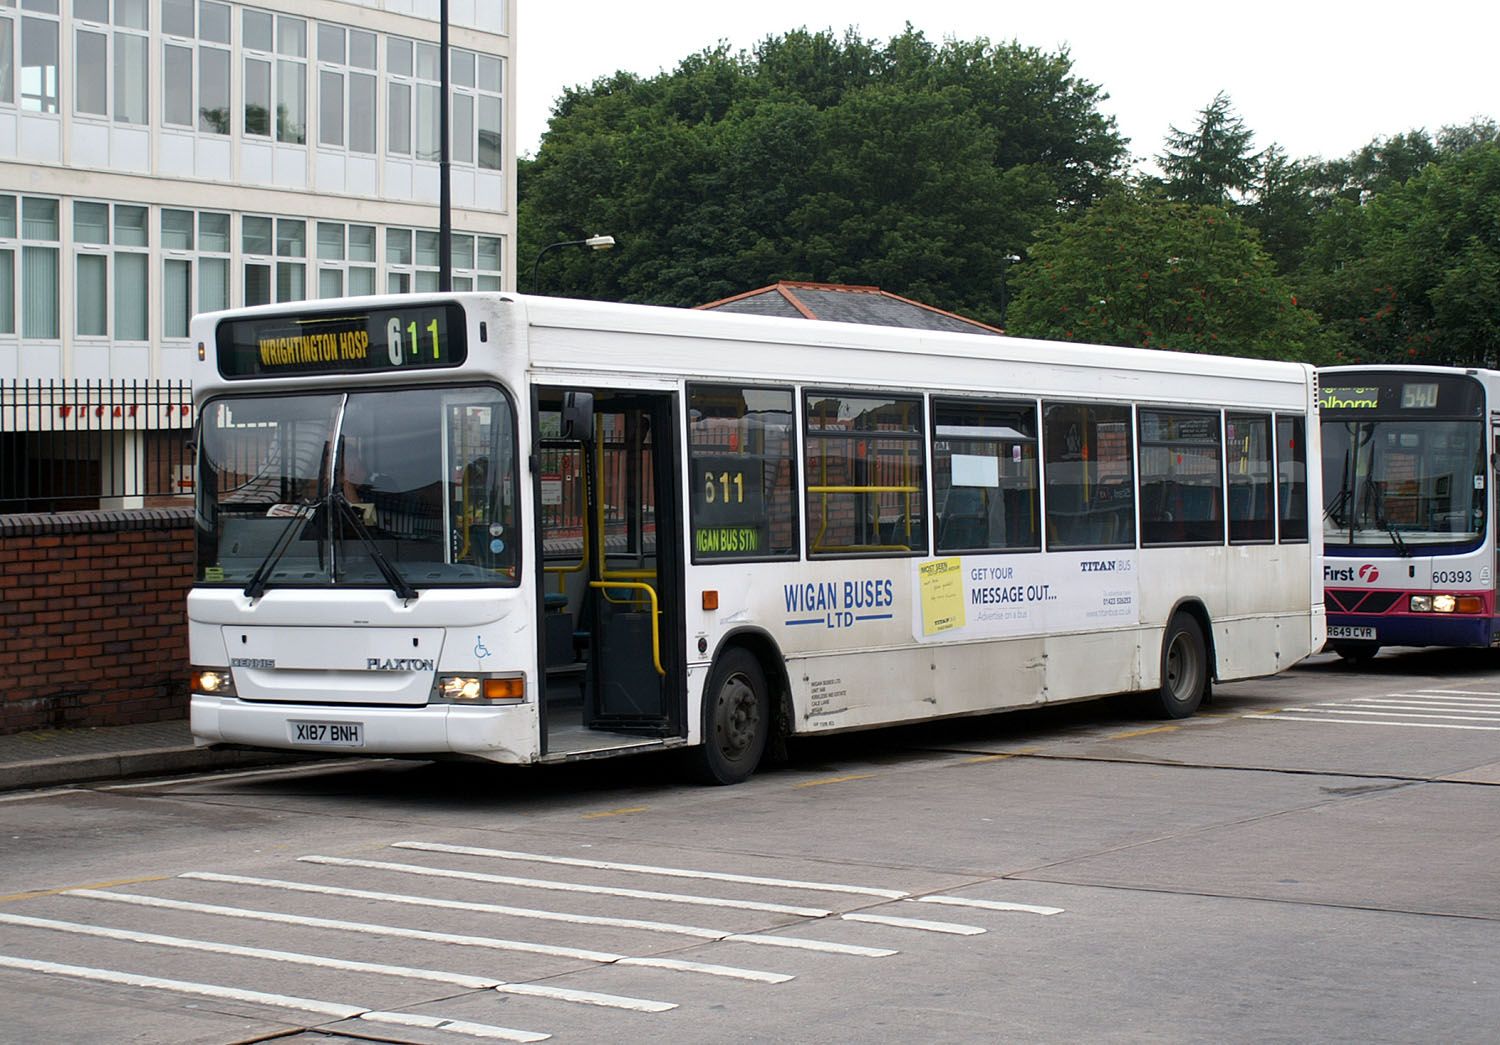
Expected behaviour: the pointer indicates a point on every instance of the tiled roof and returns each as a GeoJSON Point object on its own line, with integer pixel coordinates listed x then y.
{"type": "Point", "coordinates": [844, 304]}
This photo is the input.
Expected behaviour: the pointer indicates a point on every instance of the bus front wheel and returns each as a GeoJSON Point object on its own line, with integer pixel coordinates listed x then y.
{"type": "Point", "coordinates": [1184, 669]}
{"type": "Point", "coordinates": [736, 719]}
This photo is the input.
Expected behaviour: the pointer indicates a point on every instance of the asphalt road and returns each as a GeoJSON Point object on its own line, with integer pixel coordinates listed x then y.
{"type": "Point", "coordinates": [1316, 857]}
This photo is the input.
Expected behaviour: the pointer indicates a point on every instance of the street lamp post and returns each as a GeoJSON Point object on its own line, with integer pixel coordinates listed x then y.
{"type": "Point", "coordinates": [592, 242]}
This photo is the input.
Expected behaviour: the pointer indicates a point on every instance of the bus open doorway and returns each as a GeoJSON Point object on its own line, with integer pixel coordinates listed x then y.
{"type": "Point", "coordinates": [609, 522]}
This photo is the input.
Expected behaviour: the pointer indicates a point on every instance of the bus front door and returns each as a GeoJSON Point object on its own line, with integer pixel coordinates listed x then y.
{"type": "Point", "coordinates": [609, 520]}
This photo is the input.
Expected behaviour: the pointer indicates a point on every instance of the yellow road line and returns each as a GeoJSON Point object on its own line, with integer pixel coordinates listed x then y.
{"type": "Point", "coordinates": [1143, 732]}
{"type": "Point", "coordinates": [626, 811]}
{"type": "Point", "coordinates": [835, 780]}
{"type": "Point", "coordinates": [34, 893]}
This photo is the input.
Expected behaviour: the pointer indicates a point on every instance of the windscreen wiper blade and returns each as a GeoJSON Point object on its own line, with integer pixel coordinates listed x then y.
{"type": "Point", "coordinates": [1377, 501]}
{"type": "Point", "coordinates": [399, 584]}
{"type": "Point", "coordinates": [304, 514]}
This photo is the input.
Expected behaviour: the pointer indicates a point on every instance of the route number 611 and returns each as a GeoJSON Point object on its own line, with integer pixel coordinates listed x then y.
{"type": "Point", "coordinates": [396, 341]}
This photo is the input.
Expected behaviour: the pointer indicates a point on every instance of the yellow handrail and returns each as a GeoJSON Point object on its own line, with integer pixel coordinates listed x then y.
{"type": "Point", "coordinates": [655, 615]}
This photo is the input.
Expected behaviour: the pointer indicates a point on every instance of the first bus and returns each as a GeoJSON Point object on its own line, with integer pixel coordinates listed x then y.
{"type": "Point", "coordinates": [532, 530]}
{"type": "Point", "coordinates": [1409, 473]}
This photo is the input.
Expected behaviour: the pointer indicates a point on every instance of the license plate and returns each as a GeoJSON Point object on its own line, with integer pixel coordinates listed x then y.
{"type": "Point", "coordinates": [327, 734]}
{"type": "Point", "coordinates": [1344, 631]}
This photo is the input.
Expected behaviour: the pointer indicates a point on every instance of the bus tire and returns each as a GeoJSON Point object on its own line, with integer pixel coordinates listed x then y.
{"type": "Point", "coordinates": [736, 719]}
{"type": "Point", "coordinates": [1185, 676]}
{"type": "Point", "coordinates": [1356, 652]}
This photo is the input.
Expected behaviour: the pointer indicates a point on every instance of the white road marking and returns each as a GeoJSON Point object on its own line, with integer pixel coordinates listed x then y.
{"type": "Point", "coordinates": [988, 905]}
{"type": "Point", "coordinates": [666, 872]}
{"type": "Point", "coordinates": [333, 1010]}
{"type": "Point", "coordinates": [325, 962]}
{"type": "Point", "coordinates": [1444, 698]}
{"type": "Point", "coordinates": [951, 928]}
{"type": "Point", "coordinates": [1465, 692]}
{"type": "Point", "coordinates": [473, 1030]}
{"type": "Point", "coordinates": [697, 932]}
{"type": "Point", "coordinates": [1483, 710]}
{"type": "Point", "coordinates": [727, 971]}
{"type": "Point", "coordinates": [1367, 722]}
{"type": "Point", "coordinates": [799, 944]}
{"type": "Point", "coordinates": [1354, 709]}
{"type": "Point", "coordinates": [569, 887]}
{"type": "Point", "coordinates": [576, 954]}
{"type": "Point", "coordinates": [600, 957]}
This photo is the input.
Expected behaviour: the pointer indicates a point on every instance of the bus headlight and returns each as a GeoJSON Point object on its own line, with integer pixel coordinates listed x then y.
{"type": "Point", "coordinates": [216, 682]}
{"type": "Point", "coordinates": [481, 689]}
{"type": "Point", "coordinates": [1421, 603]}
{"type": "Point", "coordinates": [1443, 603]}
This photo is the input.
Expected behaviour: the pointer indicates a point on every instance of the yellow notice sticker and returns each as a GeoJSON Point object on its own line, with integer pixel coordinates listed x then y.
{"type": "Point", "coordinates": [942, 595]}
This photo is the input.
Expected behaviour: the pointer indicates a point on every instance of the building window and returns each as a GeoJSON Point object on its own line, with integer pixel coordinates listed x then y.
{"type": "Point", "coordinates": [413, 74]}
{"type": "Point", "coordinates": [213, 261]}
{"type": "Point", "coordinates": [7, 59]}
{"type": "Point", "coordinates": [259, 259]}
{"type": "Point", "coordinates": [340, 250]}
{"type": "Point", "coordinates": [346, 88]}
{"type": "Point", "coordinates": [113, 38]}
{"type": "Point", "coordinates": [39, 268]}
{"type": "Point", "coordinates": [176, 271]}
{"type": "Point", "coordinates": [110, 250]}
{"type": "Point", "coordinates": [39, 51]}
{"type": "Point", "coordinates": [291, 275]}
{"type": "Point", "coordinates": [275, 44]}
{"type": "Point", "coordinates": [411, 258]}
{"type": "Point", "coordinates": [196, 30]}
{"type": "Point", "coordinates": [8, 248]}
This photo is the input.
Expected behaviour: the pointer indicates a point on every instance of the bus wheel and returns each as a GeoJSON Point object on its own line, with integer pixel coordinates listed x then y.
{"type": "Point", "coordinates": [1356, 652]}
{"type": "Point", "coordinates": [1184, 669]}
{"type": "Point", "coordinates": [736, 719]}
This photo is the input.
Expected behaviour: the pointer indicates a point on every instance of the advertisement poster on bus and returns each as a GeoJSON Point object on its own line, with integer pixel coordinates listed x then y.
{"type": "Point", "coordinates": [994, 596]}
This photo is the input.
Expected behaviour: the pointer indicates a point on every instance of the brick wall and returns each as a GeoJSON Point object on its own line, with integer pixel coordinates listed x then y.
{"type": "Point", "coordinates": [93, 628]}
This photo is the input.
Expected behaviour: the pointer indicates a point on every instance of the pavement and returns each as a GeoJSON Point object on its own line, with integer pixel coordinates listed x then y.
{"type": "Point", "coordinates": [61, 757]}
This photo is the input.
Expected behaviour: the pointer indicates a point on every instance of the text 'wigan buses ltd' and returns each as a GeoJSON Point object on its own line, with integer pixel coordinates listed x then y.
{"type": "Point", "coordinates": [314, 348]}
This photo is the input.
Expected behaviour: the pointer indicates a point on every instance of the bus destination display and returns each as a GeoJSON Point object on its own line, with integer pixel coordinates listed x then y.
{"type": "Point", "coordinates": [349, 342]}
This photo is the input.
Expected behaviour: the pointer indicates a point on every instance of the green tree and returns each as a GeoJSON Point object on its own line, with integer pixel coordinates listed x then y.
{"type": "Point", "coordinates": [912, 165]}
{"type": "Point", "coordinates": [1413, 274]}
{"type": "Point", "coordinates": [1213, 163]}
{"type": "Point", "coordinates": [1151, 273]}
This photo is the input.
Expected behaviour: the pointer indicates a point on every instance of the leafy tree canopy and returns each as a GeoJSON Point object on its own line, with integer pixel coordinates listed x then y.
{"type": "Point", "coordinates": [914, 166]}
{"type": "Point", "coordinates": [1146, 272]}
{"type": "Point", "coordinates": [1413, 274]}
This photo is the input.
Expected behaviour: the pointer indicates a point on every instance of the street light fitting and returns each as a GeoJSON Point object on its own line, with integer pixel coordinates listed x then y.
{"type": "Point", "coordinates": [595, 242]}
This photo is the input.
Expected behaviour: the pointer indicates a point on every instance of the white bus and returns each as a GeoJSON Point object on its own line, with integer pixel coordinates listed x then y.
{"type": "Point", "coordinates": [1409, 475]}
{"type": "Point", "coordinates": [536, 530]}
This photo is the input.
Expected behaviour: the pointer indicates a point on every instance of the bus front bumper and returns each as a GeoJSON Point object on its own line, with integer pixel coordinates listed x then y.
{"type": "Point", "coordinates": [498, 734]}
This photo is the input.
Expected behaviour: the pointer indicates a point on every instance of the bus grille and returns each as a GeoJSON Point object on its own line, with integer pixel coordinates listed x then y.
{"type": "Point", "coordinates": [1348, 601]}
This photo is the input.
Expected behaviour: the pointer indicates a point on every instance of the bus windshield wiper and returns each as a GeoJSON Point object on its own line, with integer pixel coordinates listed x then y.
{"type": "Point", "coordinates": [1377, 502]}
{"type": "Point", "coordinates": [305, 513]}
{"type": "Point", "coordinates": [399, 584]}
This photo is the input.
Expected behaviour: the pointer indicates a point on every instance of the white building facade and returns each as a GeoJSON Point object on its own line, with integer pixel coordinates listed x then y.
{"type": "Point", "coordinates": [164, 157]}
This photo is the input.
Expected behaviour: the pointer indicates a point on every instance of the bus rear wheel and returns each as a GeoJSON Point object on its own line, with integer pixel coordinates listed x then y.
{"type": "Point", "coordinates": [736, 719]}
{"type": "Point", "coordinates": [1184, 669]}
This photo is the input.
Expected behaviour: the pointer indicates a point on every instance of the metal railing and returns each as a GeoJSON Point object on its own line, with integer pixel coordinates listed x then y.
{"type": "Point", "coordinates": [80, 445]}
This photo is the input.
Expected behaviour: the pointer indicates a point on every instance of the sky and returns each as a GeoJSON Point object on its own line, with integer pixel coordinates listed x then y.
{"type": "Point", "coordinates": [1317, 77]}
